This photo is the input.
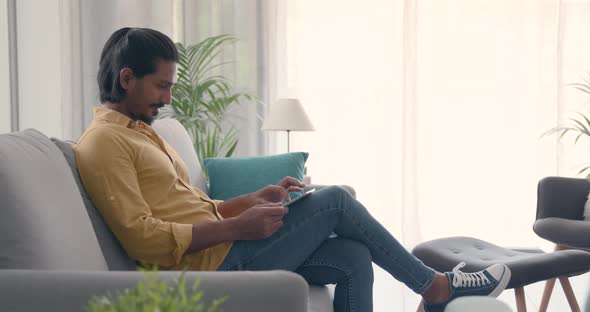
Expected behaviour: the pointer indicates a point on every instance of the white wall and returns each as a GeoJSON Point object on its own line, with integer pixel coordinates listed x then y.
{"type": "Point", "coordinates": [4, 73]}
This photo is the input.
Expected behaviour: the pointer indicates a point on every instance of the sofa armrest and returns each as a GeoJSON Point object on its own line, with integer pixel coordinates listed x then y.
{"type": "Point", "coordinates": [31, 290]}
{"type": "Point", "coordinates": [560, 197]}
{"type": "Point", "coordinates": [318, 187]}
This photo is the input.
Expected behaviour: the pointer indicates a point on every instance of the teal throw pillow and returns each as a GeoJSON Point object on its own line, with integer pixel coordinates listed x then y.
{"type": "Point", "coordinates": [231, 177]}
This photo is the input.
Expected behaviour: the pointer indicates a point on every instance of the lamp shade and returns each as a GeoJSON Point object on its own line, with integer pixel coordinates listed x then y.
{"type": "Point", "coordinates": [287, 114]}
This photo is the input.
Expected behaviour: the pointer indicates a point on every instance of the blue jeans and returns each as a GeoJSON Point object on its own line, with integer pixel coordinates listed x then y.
{"type": "Point", "coordinates": [306, 245]}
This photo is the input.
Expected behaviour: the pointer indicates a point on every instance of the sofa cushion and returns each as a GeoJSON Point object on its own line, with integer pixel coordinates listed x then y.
{"type": "Point", "coordinates": [230, 177]}
{"type": "Point", "coordinates": [114, 254]}
{"type": "Point", "coordinates": [43, 223]}
{"type": "Point", "coordinates": [172, 131]}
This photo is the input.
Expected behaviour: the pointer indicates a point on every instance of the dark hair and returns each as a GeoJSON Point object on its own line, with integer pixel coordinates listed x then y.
{"type": "Point", "coordinates": [140, 49]}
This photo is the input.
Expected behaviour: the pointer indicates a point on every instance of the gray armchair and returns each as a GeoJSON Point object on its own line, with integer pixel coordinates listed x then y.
{"type": "Point", "coordinates": [560, 208]}
{"type": "Point", "coordinates": [559, 219]}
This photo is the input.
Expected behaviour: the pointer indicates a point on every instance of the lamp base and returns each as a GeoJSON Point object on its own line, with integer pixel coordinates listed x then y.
{"type": "Point", "coordinates": [306, 178]}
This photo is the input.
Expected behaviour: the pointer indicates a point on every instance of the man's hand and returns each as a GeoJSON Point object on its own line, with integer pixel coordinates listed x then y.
{"type": "Point", "coordinates": [260, 221]}
{"type": "Point", "coordinates": [275, 193]}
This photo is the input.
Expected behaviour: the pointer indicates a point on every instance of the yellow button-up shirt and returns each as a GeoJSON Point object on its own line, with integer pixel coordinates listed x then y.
{"type": "Point", "coordinates": [142, 189]}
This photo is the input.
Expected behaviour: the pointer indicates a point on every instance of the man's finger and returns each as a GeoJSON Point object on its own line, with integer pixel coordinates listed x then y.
{"type": "Point", "coordinates": [285, 181]}
{"type": "Point", "coordinates": [276, 218]}
{"type": "Point", "coordinates": [290, 181]}
{"type": "Point", "coordinates": [294, 189]}
{"type": "Point", "coordinates": [296, 182]}
{"type": "Point", "coordinates": [277, 225]}
{"type": "Point", "coordinates": [270, 204]}
{"type": "Point", "coordinates": [277, 211]}
{"type": "Point", "coordinates": [285, 194]}
{"type": "Point", "coordinates": [282, 191]}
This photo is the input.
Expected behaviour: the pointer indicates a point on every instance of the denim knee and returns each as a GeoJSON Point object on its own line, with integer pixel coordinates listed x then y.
{"type": "Point", "coordinates": [337, 193]}
{"type": "Point", "coordinates": [339, 189]}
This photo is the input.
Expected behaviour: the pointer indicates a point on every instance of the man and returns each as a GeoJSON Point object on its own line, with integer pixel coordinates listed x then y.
{"type": "Point", "coordinates": [142, 189]}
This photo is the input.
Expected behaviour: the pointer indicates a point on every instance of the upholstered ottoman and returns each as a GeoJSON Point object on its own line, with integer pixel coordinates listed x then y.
{"type": "Point", "coordinates": [527, 266]}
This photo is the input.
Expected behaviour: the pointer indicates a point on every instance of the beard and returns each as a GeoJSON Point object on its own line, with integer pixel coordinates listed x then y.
{"type": "Point", "coordinates": [149, 118]}
{"type": "Point", "coordinates": [146, 119]}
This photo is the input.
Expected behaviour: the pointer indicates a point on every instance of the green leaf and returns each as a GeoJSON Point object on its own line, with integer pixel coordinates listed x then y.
{"type": "Point", "coordinates": [153, 294]}
{"type": "Point", "coordinates": [582, 128]}
{"type": "Point", "coordinates": [231, 149]}
{"type": "Point", "coordinates": [579, 127]}
{"type": "Point", "coordinates": [582, 87]}
{"type": "Point", "coordinates": [583, 169]}
{"type": "Point", "coordinates": [202, 98]}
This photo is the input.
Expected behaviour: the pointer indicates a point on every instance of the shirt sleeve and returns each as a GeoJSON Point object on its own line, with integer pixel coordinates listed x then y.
{"type": "Point", "coordinates": [205, 197]}
{"type": "Point", "coordinates": [108, 173]}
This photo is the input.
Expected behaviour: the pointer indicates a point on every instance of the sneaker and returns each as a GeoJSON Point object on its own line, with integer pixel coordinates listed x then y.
{"type": "Point", "coordinates": [488, 282]}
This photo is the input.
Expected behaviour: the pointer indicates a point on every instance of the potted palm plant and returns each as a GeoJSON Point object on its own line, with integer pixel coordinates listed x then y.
{"type": "Point", "coordinates": [579, 126]}
{"type": "Point", "coordinates": [202, 99]}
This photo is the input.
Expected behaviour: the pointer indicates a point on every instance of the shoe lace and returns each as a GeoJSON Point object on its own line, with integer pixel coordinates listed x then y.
{"type": "Point", "coordinates": [462, 279]}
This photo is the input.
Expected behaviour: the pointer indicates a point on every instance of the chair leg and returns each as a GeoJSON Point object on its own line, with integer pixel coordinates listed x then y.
{"type": "Point", "coordinates": [420, 306]}
{"type": "Point", "coordinates": [567, 287]}
{"type": "Point", "coordinates": [569, 293]}
{"type": "Point", "coordinates": [520, 302]}
{"type": "Point", "coordinates": [547, 295]}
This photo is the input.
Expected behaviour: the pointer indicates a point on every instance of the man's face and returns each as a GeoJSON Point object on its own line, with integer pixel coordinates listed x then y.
{"type": "Point", "coordinates": [146, 95]}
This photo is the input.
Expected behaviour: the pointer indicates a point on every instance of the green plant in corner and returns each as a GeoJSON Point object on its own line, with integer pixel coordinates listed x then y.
{"type": "Point", "coordinates": [152, 294]}
{"type": "Point", "coordinates": [579, 126]}
{"type": "Point", "coordinates": [202, 99]}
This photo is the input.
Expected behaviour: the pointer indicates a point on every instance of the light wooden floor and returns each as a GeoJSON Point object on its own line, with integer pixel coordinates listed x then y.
{"type": "Point", "coordinates": [390, 295]}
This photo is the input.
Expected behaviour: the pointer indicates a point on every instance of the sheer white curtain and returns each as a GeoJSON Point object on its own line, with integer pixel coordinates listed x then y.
{"type": "Point", "coordinates": [255, 23]}
{"type": "Point", "coordinates": [488, 79]}
{"type": "Point", "coordinates": [97, 21]}
{"type": "Point", "coordinates": [434, 110]}
{"type": "Point", "coordinates": [57, 47]}
{"type": "Point", "coordinates": [5, 109]}
{"type": "Point", "coordinates": [255, 58]}
{"type": "Point", "coordinates": [74, 32]}
{"type": "Point", "coordinates": [491, 78]}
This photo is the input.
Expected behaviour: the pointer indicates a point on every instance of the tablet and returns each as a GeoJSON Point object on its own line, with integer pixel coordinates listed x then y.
{"type": "Point", "coordinates": [298, 198]}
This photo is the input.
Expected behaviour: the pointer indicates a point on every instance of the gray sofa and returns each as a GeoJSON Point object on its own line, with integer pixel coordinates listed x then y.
{"type": "Point", "coordinates": [56, 252]}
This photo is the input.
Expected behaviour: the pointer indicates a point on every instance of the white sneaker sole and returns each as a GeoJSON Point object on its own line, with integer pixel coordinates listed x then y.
{"type": "Point", "coordinates": [502, 283]}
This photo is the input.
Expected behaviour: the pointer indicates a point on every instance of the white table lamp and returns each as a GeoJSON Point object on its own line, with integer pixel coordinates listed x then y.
{"type": "Point", "coordinates": [287, 115]}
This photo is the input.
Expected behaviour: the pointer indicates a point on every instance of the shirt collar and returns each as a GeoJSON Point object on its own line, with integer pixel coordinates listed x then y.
{"type": "Point", "coordinates": [105, 114]}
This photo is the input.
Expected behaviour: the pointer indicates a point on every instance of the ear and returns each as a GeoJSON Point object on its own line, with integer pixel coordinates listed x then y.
{"type": "Point", "coordinates": [126, 78]}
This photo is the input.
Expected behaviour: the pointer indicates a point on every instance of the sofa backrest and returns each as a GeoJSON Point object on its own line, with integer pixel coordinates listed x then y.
{"type": "Point", "coordinates": [42, 221]}
{"type": "Point", "coordinates": [116, 257]}
{"type": "Point", "coordinates": [174, 133]}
